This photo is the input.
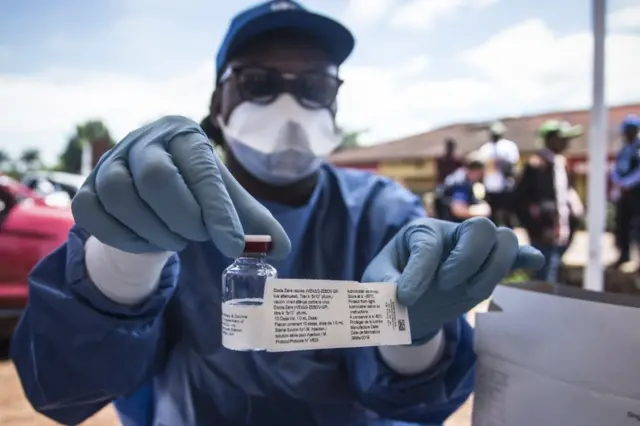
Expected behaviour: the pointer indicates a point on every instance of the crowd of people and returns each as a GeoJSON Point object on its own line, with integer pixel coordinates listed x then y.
{"type": "Point", "coordinates": [539, 195]}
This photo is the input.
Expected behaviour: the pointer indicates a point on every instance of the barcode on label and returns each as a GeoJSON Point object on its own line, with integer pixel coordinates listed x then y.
{"type": "Point", "coordinates": [401, 325]}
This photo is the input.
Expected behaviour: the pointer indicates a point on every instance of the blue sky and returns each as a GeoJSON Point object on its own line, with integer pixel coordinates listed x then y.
{"type": "Point", "coordinates": [417, 64]}
{"type": "Point", "coordinates": [122, 35]}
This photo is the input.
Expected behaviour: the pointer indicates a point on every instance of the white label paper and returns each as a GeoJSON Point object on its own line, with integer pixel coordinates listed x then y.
{"type": "Point", "coordinates": [318, 314]}
{"type": "Point", "coordinates": [242, 325]}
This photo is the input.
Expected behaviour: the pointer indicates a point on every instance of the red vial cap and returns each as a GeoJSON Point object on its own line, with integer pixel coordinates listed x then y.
{"type": "Point", "coordinates": [257, 243]}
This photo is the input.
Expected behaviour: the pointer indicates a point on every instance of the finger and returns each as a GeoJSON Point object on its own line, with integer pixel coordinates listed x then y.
{"type": "Point", "coordinates": [89, 214]}
{"type": "Point", "coordinates": [529, 258]}
{"type": "Point", "coordinates": [255, 218]}
{"type": "Point", "coordinates": [384, 267]}
{"type": "Point", "coordinates": [497, 266]}
{"type": "Point", "coordinates": [194, 157]}
{"type": "Point", "coordinates": [425, 253]}
{"type": "Point", "coordinates": [160, 185]}
{"type": "Point", "coordinates": [474, 241]}
{"type": "Point", "coordinates": [116, 191]}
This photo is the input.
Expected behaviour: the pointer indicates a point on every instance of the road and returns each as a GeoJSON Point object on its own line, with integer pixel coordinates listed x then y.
{"type": "Point", "coordinates": [16, 411]}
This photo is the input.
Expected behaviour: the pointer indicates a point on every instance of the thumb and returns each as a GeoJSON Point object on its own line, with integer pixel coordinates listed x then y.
{"type": "Point", "coordinates": [410, 260]}
{"type": "Point", "coordinates": [384, 267]}
{"type": "Point", "coordinates": [425, 247]}
{"type": "Point", "coordinates": [254, 217]}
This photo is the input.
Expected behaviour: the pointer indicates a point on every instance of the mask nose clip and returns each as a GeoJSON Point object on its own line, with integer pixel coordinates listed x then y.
{"type": "Point", "coordinates": [293, 136]}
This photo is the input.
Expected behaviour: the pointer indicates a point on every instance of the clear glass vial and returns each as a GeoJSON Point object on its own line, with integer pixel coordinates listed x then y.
{"type": "Point", "coordinates": [243, 284]}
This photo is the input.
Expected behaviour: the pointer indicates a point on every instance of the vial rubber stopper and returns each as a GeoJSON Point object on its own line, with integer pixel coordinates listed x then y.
{"type": "Point", "coordinates": [257, 243]}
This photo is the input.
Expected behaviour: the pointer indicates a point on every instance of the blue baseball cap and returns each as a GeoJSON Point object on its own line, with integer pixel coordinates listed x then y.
{"type": "Point", "coordinates": [630, 120]}
{"type": "Point", "coordinates": [334, 37]}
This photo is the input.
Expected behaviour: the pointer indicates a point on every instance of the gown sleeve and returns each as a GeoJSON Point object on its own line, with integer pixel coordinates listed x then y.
{"type": "Point", "coordinates": [430, 397]}
{"type": "Point", "coordinates": [74, 349]}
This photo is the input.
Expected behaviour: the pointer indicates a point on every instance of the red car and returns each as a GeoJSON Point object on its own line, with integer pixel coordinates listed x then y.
{"type": "Point", "coordinates": [30, 228]}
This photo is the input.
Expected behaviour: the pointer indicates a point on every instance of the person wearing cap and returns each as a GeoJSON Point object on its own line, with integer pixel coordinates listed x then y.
{"type": "Point", "coordinates": [548, 206]}
{"type": "Point", "coordinates": [501, 156]}
{"type": "Point", "coordinates": [459, 195]}
{"type": "Point", "coordinates": [625, 178]}
{"type": "Point", "coordinates": [129, 309]}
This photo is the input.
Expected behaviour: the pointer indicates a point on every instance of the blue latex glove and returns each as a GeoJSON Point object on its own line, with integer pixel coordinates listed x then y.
{"type": "Point", "coordinates": [444, 269]}
{"type": "Point", "coordinates": [163, 186]}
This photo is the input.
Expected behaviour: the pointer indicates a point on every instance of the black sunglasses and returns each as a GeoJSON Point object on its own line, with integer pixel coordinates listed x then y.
{"type": "Point", "coordinates": [262, 85]}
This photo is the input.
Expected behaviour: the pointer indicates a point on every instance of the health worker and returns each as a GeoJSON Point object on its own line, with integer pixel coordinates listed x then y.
{"type": "Point", "coordinates": [128, 310]}
{"type": "Point", "coordinates": [459, 195]}
{"type": "Point", "coordinates": [625, 178]}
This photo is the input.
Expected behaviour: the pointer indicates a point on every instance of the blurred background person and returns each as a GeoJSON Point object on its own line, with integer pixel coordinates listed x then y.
{"type": "Point", "coordinates": [625, 178]}
{"type": "Point", "coordinates": [449, 162]}
{"type": "Point", "coordinates": [460, 197]}
{"type": "Point", "coordinates": [500, 156]}
{"type": "Point", "coordinates": [548, 206]}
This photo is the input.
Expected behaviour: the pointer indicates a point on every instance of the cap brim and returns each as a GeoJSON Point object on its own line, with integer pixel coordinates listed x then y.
{"type": "Point", "coordinates": [498, 129]}
{"type": "Point", "coordinates": [629, 124]}
{"type": "Point", "coordinates": [333, 37]}
{"type": "Point", "coordinates": [572, 132]}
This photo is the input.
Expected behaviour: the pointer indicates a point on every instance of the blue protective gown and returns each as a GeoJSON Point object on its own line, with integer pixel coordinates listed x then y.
{"type": "Point", "coordinates": [627, 167]}
{"type": "Point", "coordinates": [163, 363]}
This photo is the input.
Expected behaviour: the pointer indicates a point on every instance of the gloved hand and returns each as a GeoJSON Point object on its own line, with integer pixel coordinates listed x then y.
{"type": "Point", "coordinates": [163, 186]}
{"type": "Point", "coordinates": [444, 269]}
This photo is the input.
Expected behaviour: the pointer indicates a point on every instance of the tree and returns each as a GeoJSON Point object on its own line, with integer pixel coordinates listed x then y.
{"type": "Point", "coordinates": [5, 160]}
{"type": "Point", "coordinates": [30, 159]}
{"type": "Point", "coordinates": [88, 132]}
{"type": "Point", "coordinates": [8, 166]}
{"type": "Point", "coordinates": [350, 139]}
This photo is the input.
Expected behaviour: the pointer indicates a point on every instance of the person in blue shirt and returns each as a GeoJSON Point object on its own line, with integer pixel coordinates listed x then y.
{"type": "Point", "coordinates": [129, 309]}
{"type": "Point", "coordinates": [458, 193]}
{"type": "Point", "coordinates": [626, 182]}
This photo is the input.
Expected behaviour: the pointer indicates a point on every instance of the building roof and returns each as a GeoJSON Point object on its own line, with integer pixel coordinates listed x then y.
{"type": "Point", "coordinates": [470, 136]}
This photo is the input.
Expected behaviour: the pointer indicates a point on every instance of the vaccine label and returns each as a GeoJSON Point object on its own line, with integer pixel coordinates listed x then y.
{"type": "Point", "coordinates": [243, 324]}
{"type": "Point", "coordinates": [319, 314]}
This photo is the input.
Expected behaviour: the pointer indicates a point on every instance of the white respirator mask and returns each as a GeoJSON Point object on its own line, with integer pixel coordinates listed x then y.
{"type": "Point", "coordinates": [282, 142]}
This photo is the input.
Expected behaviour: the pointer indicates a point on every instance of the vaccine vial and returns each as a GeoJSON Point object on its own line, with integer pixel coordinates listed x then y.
{"type": "Point", "coordinates": [243, 284]}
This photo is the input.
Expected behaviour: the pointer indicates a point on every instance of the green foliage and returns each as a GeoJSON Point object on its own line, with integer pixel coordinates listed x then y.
{"type": "Point", "coordinates": [15, 174]}
{"type": "Point", "coordinates": [4, 159]}
{"type": "Point", "coordinates": [516, 277]}
{"type": "Point", "coordinates": [610, 217]}
{"type": "Point", "coordinates": [351, 139]}
{"type": "Point", "coordinates": [88, 132]}
{"type": "Point", "coordinates": [30, 158]}
{"type": "Point", "coordinates": [222, 153]}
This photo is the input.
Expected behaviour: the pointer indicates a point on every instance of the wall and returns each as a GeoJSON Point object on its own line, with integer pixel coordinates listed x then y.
{"type": "Point", "coordinates": [580, 168]}
{"type": "Point", "coordinates": [371, 167]}
{"type": "Point", "coordinates": [419, 176]}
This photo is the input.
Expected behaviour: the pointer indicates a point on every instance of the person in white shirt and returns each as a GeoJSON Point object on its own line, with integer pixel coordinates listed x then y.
{"type": "Point", "coordinates": [500, 156]}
